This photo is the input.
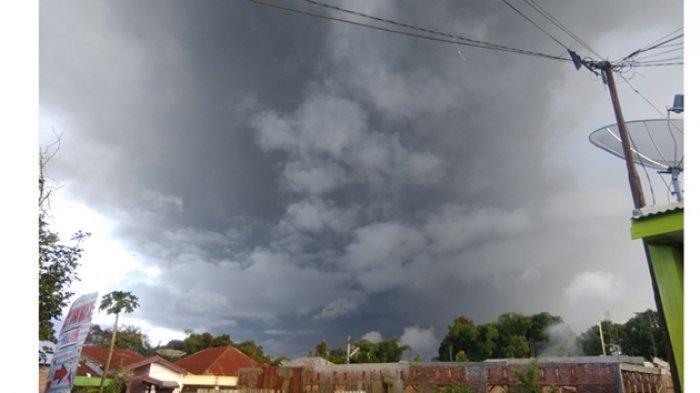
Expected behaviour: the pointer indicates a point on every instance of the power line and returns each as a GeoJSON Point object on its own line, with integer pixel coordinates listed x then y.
{"type": "Point", "coordinates": [658, 53]}
{"type": "Point", "coordinates": [641, 95]}
{"type": "Point", "coordinates": [655, 65]}
{"type": "Point", "coordinates": [653, 46]}
{"type": "Point", "coordinates": [452, 37]}
{"type": "Point", "coordinates": [455, 39]}
{"type": "Point", "coordinates": [537, 7]}
{"type": "Point", "coordinates": [535, 24]}
{"type": "Point", "coordinates": [656, 108]}
{"type": "Point", "coordinates": [657, 60]}
{"type": "Point", "coordinates": [653, 43]}
{"type": "Point", "coordinates": [662, 37]}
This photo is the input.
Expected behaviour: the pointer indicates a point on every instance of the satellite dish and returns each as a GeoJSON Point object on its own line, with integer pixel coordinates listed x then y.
{"type": "Point", "coordinates": [171, 353]}
{"type": "Point", "coordinates": [656, 144]}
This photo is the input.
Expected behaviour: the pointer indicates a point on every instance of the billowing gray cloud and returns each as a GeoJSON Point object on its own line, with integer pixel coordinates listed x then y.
{"type": "Point", "coordinates": [297, 180]}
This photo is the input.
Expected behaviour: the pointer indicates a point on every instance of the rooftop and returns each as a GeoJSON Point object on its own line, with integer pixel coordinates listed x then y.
{"type": "Point", "coordinates": [216, 361]}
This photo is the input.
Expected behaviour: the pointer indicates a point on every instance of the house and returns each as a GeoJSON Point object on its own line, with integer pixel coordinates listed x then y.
{"type": "Point", "coordinates": [147, 374]}
{"type": "Point", "coordinates": [213, 369]}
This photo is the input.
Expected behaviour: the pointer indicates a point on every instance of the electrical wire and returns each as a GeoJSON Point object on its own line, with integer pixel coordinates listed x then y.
{"type": "Point", "coordinates": [657, 54]}
{"type": "Point", "coordinates": [656, 108]}
{"type": "Point", "coordinates": [463, 41]}
{"type": "Point", "coordinates": [670, 45]}
{"type": "Point", "coordinates": [638, 51]}
{"type": "Point", "coordinates": [664, 36]}
{"type": "Point", "coordinates": [654, 64]}
{"type": "Point", "coordinates": [542, 11]}
{"type": "Point", "coordinates": [649, 62]}
{"type": "Point", "coordinates": [668, 187]}
{"type": "Point", "coordinates": [535, 24]}
{"type": "Point", "coordinates": [452, 37]}
{"type": "Point", "coordinates": [641, 95]}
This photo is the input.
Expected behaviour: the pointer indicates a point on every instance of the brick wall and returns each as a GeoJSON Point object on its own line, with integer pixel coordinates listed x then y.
{"type": "Point", "coordinates": [581, 375]}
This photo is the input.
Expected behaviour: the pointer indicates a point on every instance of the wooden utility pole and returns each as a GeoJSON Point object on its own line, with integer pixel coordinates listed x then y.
{"type": "Point", "coordinates": [635, 183]}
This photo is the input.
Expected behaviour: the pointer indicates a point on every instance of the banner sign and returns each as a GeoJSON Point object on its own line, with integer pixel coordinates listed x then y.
{"type": "Point", "coordinates": [70, 342]}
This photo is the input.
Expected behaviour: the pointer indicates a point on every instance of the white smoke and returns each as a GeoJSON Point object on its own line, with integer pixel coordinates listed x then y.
{"type": "Point", "coordinates": [561, 341]}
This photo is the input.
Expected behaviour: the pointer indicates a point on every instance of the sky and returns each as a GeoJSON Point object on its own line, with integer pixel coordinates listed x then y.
{"type": "Point", "coordinates": [276, 177]}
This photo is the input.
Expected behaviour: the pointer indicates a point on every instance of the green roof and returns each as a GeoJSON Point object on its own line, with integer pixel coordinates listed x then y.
{"type": "Point", "coordinates": [90, 381]}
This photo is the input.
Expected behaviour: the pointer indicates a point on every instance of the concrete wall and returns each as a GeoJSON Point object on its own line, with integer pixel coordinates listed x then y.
{"type": "Point", "coordinates": [163, 373]}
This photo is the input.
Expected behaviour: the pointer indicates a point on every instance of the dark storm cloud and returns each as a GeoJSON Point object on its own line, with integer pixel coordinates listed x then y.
{"type": "Point", "coordinates": [296, 180]}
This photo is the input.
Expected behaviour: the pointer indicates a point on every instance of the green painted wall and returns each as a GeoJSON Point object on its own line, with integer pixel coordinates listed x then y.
{"type": "Point", "coordinates": [663, 237]}
{"type": "Point", "coordinates": [667, 264]}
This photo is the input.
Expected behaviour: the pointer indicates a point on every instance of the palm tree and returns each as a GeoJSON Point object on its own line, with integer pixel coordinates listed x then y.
{"type": "Point", "coordinates": [115, 303]}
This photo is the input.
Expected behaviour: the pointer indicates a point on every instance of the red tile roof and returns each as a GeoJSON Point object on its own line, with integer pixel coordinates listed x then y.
{"type": "Point", "coordinates": [121, 358]}
{"type": "Point", "coordinates": [216, 361]}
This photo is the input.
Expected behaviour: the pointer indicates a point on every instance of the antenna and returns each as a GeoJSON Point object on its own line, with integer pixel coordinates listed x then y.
{"type": "Point", "coordinates": [656, 144]}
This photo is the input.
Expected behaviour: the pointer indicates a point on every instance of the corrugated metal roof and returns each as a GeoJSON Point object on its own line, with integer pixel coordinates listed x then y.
{"type": "Point", "coordinates": [648, 211]}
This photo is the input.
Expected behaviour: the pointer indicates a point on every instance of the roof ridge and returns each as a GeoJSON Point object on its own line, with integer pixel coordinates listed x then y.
{"type": "Point", "coordinates": [217, 358]}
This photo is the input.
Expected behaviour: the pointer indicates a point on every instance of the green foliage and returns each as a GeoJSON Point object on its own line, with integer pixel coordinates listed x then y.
{"type": "Point", "coordinates": [539, 323]}
{"type": "Point", "coordinates": [278, 360]}
{"type": "Point", "coordinates": [456, 389]}
{"type": "Point", "coordinates": [529, 379]}
{"type": "Point", "coordinates": [253, 351]}
{"type": "Point", "coordinates": [517, 346]}
{"type": "Point", "coordinates": [386, 351]}
{"type": "Point", "coordinates": [513, 335]}
{"type": "Point", "coordinates": [129, 337]}
{"type": "Point", "coordinates": [641, 335]}
{"type": "Point", "coordinates": [120, 379]}
{"type": "Point", "coordinates": [320, 350]}
{"type": "Point", "coordinates": [58, 264]}
{"type": "Point", "coordinates": [461, 357]}
{"type": "Point", "coordinates": [117, 302]}
{"type": "Point", "coordinates": [195, 342]}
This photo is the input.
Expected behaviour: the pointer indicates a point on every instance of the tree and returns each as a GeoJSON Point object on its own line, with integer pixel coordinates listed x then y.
{"type": "Point", "coordinates": [539, 324]}
{"type": "Point", "coordinates": [195, 342]}
{"type": "Point", "coordinates": [529, 379]}
{"type": "Point", "coordinates": [320, 350]}
{"type": "Point", "coordinates": [129, 337]}
{"type": "Point", "coordinates": [116, 302]}
{"type": "Point", "coordinates": [58, 262]}
{"type": "Point", "coordinates": [335, 355]}
{"type": "Point", "coordinates": [253, 351]}
{"type": "Point", "coordinates": [462, 335]}
{"type": "Point", "coordinates": [512, 335]}
{"type": "Point", "coordinates": [641, 335]}
{"type": "Point", "coordinates": [386, 351]}
{"type": "Point", "coordinates": [461, 357]}
{"type": "Point", "coordinates": [389, 351]}
{"type": "Point", "coordinates": [590, 339]}
{"type": "Point", "coordinates": [517, 346]}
